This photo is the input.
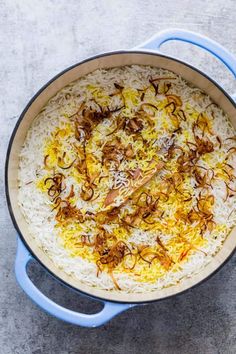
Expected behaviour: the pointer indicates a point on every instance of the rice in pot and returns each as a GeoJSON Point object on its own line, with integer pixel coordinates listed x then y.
{"type": "Point", "coordinates": [127, 179]}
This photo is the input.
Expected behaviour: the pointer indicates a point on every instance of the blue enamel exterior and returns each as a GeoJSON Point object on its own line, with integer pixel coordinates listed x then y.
{"type": "Point", "coordinates": [23, 256]}
{"type": "Point", "coordinates": [211, 46]}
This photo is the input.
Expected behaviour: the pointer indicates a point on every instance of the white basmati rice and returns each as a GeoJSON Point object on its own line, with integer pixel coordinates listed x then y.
{"type": "Point", "coordinates": [36, 206]}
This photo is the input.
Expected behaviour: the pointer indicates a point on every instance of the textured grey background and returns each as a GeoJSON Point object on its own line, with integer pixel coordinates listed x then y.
{"type": "Point", "coordinates": [37, 40]}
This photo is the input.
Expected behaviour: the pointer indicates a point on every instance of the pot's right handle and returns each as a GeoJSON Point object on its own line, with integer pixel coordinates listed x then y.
{"type": "Point", "coordinates": [155, 42]}
{"type": "Point", "coordinates": [110, 309]}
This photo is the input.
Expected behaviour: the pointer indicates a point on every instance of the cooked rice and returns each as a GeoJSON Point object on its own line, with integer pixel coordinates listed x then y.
{"type": "Point", "coordinates": [58, 242]}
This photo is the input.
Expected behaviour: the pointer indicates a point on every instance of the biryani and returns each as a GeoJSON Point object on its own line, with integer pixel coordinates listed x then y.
{"type": "Point", "coordinates": [127, 179]}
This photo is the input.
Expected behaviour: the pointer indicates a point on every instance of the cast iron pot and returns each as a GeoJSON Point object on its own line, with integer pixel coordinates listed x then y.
{"type": "Point", "coordinates": [146, 54]}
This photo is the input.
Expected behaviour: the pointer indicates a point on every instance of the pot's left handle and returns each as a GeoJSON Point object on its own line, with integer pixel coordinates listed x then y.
{"type": "Point", "coordinates": [110, 309]}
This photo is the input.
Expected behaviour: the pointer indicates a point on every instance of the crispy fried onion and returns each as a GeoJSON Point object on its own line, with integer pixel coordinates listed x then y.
{"type": "Point", "coordinates": [187, 160]}
{"type": "Point", "coordinates": [45, 161]}
{"type": "Point", "coordinates": [228, 171]}
{"type": "Point", "coordinates": [55, 185]}
{"type": "Point", "coordinates": [161, 85]}
{"type": "Point", "coordinates": [173, 108]}
{"type": "Point", "coordinates": [67, 212]}
{"type": "Point", "coordinates": [113, 215]}
{"type": "Point", "coordinates": [189, 247]}
{"type": "Point", "coordinates": [134, 125]}
{"type": "Point", "coordinates": [230, 191]}
{"type": "Point", "coordinates": [148, 255]}
{"type": "Point", "coordinates": [146, 209]}
{"type": "Point", "coordinates": [201, 146]}
{"type": "Point", "coordinates": [173, 182]}
{"type": "Point", "coordinates": [202, 213]}
{"type": "Point", "coordinates": [119, 92]}
{"type": "Point", "coordinates": [173, 150]}
{"type": "Point", "coordinates": [86, 119]}
{"type": "Point", "coordinates": [61, 163]}
{"type": "Point", "coordinates": [131, 126]}
{"type": "Point", "coordinates": [82, 168]}
{"type": "Point", "coordinates": [114, 151]}
{"type": "Point", "coordinates": [111, 257]}
{"type": "Point", "coordinates": [202, 124]}
{"type": "Point", "coordinates": [203, 176]}
{"type": "Point", "coordinates": [199, 128]}
{"type": "Point", "coordinates": [87, 192]}
{"type": "Point", "coordinates": [231, 151]}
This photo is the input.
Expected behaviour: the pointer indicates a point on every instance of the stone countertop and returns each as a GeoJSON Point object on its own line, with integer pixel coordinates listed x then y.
{"type": "Point", "coordinates": [37, 40]}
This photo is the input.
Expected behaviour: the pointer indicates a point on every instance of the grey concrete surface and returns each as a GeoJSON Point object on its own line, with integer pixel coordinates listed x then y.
{"type": "Point", "coordinates": [37, 40]}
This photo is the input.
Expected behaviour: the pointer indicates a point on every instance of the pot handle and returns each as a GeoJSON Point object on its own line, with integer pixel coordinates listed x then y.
{"type": "Point", "coordinates": [110, 309]}
{"type": "Point", "coordinates": [155, 42]}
